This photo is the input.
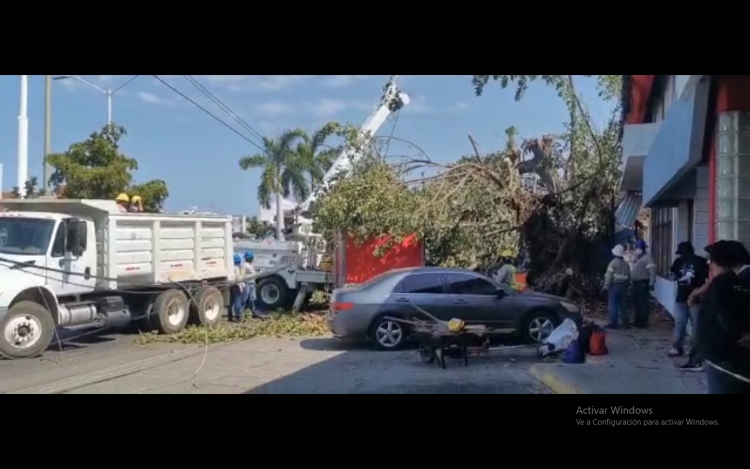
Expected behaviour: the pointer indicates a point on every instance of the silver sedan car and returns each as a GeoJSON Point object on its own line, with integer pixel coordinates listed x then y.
{"type": "Point", "coordinates": [362, 311]}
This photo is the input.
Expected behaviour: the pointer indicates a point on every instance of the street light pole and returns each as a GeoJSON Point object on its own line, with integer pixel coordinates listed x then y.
{"type": "Point", "coordinates": [23, 137]}
{"type": "Point", "coordinates": [47, 169]}
{"type": "Point", "coordinates": [109, 107]}
{"type": "Point", "coordinates": [107, 93]}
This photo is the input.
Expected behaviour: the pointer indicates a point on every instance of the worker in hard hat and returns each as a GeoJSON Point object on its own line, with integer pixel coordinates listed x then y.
{"type": "Point", "coordinates": [136, 204]}
{"type": "Point", "coordinates": [123, 201]}
{"type": "Point", "coordinates": [249, 273]}
{"type": "Point", "coordinates": [238, 291]}
{"type": "Point", "coordinates": [506, 275]}
{"type": "Point", "coordinates": [616, 283]}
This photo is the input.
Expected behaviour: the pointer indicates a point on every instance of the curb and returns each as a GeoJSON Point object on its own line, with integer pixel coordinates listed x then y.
{"type": "Point", "coordinates": [555, 384]}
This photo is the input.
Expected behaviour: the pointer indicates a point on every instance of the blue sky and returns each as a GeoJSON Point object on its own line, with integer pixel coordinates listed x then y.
{"type": "Point", "coordinates": [197, 156]}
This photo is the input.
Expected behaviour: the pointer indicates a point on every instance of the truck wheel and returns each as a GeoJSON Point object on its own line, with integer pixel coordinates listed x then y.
{"type": "Point", "coordinates": [27, 330]}
{"type": "Point", "coordinates": [207, 306]}
{"type": "Point", "coordinates": [172, 311]}
{"type": "Point", "coordinates": [272, 294]}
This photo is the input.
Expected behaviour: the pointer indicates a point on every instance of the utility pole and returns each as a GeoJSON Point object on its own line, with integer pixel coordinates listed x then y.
{"type": "Point", "coordinates": [23, 137]}
{"type": "Point", "coordinates": [109, 107]}
{"type": "Point", "coordinates": [47, 170]}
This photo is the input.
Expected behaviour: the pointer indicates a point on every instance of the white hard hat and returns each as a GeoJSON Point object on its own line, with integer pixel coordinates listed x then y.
{"type": "Point", "coordinates": [618, 251]}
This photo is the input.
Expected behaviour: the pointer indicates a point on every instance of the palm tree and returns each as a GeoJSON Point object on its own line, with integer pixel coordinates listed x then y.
{"type": "Point", "coordinates": [283, 172]}
{"type": "Point", "coordinates": [315, 156]}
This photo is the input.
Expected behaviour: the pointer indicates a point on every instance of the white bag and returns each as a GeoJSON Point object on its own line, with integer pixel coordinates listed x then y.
{"type": "Point", "coordinates": [560, 338]}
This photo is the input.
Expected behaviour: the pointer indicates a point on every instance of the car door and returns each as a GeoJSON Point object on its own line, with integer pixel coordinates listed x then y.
{"type": "Point", "coordinates": [478, 301]}
{"type": "Point", "coordinates": [426, 290]}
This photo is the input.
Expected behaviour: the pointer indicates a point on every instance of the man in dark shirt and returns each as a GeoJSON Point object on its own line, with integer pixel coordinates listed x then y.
{"type": "Point", "coordinates": [690, 271]}
{"type": "Point", "coordinates": [740, 261]}
{"type": "Point", "coordinates": [724, 322]}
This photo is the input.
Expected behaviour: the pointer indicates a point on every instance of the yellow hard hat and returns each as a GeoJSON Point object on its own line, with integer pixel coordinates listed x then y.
{"type": "Point", "coordinates": [507, 253]}
{"type": "Point", "coordinates": [456, 325]}
{"type": "Point", "coordinates": [136, 198]}
{"type": "Point", "coordinates": [123, 197]}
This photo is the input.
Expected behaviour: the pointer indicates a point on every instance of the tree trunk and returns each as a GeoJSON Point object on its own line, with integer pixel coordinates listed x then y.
{"type": "Point", "coordinates": [279, 217]}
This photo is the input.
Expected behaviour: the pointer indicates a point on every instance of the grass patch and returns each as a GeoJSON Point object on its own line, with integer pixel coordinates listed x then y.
{"type": "Point", "coordinates": [279, 324]}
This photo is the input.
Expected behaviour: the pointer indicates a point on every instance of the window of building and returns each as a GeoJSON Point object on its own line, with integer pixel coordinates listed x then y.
{"type": "Point", "coordinates": [662, 248]}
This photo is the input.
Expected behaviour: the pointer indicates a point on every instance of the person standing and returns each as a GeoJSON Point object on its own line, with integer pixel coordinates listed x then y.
{"type": "Point", "coordinates": [643, 274]}
{"type": "Point", "coordinates": [506, 275]}
{"type": "Point", "coordinates": [249, 273]}
{"type": "Point", "coordinates": [616, 282]}
{"type": "Point", "coordinates": [238, 291]}
{"type": "Point", "coordinates": [690, 271]}
{"type": "Point", "coordinates": [122, 200]}
{"type": "Point", "coordinates": [136, 204]}
{"type": "Point", "coordinates": [724, 324]}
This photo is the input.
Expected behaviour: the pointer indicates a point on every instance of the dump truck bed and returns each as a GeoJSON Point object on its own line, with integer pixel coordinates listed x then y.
{"type": "Point", "coordinates": [146, 249]}
{"type": "Point", "coordinates": [135, 249]}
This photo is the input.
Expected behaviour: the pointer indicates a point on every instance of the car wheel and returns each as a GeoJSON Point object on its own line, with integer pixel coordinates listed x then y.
{"type": "Point", "coordinates": [387, 334]}
{"type": "Point", "coordinates": [538, 325]}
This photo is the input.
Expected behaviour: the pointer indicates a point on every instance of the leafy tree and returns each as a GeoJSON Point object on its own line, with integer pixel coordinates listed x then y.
{"type": "Point", "coordinates": [31, 189]}
{"type": "Point", "coordinates": [259, 228]}
{"type": "Point", "coordinates": [96, 168]}
{"type": "Point", "coordinates": [469, 211]}
{"type": "Point", "coordinates": [153, 194]}
{"type": "Point", "coordinates": [283, 174]}
{"type": "Point", "coordinates": [315, 156]}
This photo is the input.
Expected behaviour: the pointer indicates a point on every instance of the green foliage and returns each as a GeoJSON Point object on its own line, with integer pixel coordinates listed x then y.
{"type": "Point", "coordinates": [96, 168]}
{"type": "Point", "coordinates": [260, 229]}
{"type": "Point", "coordinates": [32, 191]}
{"type": "Point", "coordinates": [153, 193]}
{"type": "Point", "coordinates": [315, 156]}
{"type": "Point", "coordinates": [469, 211]}
{"type": "Point", "coordinates": [283, 172]}
{"type": "Point", "coordinates": [278, 324]}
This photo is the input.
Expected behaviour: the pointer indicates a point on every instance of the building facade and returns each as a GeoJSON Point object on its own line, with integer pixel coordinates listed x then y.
{"type": "Point", "coordinates": [686, 154]}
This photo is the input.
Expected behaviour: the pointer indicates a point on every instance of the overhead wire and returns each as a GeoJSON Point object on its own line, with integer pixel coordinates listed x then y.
{"type": "Point", "coordinates": [193, 81]}
{"type": "Point", "coordinates": [214, 116]}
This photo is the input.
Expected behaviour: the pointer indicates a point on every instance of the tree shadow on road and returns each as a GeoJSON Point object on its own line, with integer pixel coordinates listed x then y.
{"type": "Point", "coordinates": [354, 368]}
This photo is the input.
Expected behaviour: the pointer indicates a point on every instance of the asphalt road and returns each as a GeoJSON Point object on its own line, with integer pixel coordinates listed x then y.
{"type": "Point", "coordinates": [111, 364]}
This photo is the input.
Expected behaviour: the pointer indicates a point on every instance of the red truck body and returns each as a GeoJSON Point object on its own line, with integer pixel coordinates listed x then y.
{"type": "Point", "coordinates": [356, 263]}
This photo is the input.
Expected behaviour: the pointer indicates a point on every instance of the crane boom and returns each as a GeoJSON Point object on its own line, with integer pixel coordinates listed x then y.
{"type": "Point", "coordinates": [391, 101]}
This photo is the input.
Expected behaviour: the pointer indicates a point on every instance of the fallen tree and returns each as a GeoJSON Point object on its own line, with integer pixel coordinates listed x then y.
{"type": "Point", "coordinates": [551, 199]}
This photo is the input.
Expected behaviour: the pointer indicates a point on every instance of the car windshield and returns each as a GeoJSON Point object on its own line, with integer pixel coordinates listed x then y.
{"type": "Point", "coordinates": [25, 236]}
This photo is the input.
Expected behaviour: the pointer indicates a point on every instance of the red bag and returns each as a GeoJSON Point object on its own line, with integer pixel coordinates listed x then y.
{"type": "Point", "coordinates": [598, 342]}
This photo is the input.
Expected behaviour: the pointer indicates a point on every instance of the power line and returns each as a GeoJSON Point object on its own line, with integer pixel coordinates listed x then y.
{"type": "Point", "coordinates": [221, 105]}
{"type": "Point", "coordinates": [209, 113]}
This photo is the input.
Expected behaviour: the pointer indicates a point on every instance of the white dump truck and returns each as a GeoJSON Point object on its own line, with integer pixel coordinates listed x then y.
{"type": "Point", "coordinates": [70, 263]}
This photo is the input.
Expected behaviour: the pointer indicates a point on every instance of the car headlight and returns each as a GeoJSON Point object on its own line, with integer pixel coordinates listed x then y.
{"type": "Point", "coordinates": [570, 307]}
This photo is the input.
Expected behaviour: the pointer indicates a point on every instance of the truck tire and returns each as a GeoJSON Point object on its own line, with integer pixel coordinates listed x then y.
{"type": "Point", "coordinates": [207, 306]}
{"type": "Point", "coordinates": [272, 294]}
{"type": "Point", "coordinates": [27, 330]}
{"type": "Point", "coordinates": [171, 311]}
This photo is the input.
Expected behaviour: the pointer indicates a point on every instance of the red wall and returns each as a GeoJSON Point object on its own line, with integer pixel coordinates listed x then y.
{"type": "Point", "coordinates": [361, 264]}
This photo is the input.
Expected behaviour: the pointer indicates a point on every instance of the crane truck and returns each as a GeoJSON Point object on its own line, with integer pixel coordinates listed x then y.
{"type": "Point", "coordinates": [67, 263]}
{"type": "Point", "coordinates": [301, 249]}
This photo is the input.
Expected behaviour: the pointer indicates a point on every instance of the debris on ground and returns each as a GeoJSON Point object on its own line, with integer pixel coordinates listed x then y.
{"type": "Point", "coordinates": [279, 324]}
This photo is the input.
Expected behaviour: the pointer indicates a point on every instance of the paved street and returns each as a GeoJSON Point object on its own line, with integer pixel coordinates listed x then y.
{"type": "Point", "coordinates": [113, 364]}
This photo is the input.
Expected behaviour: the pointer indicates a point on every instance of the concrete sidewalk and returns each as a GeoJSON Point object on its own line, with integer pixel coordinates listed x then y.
{"type": "Point", "coordinates": [637, 363]}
